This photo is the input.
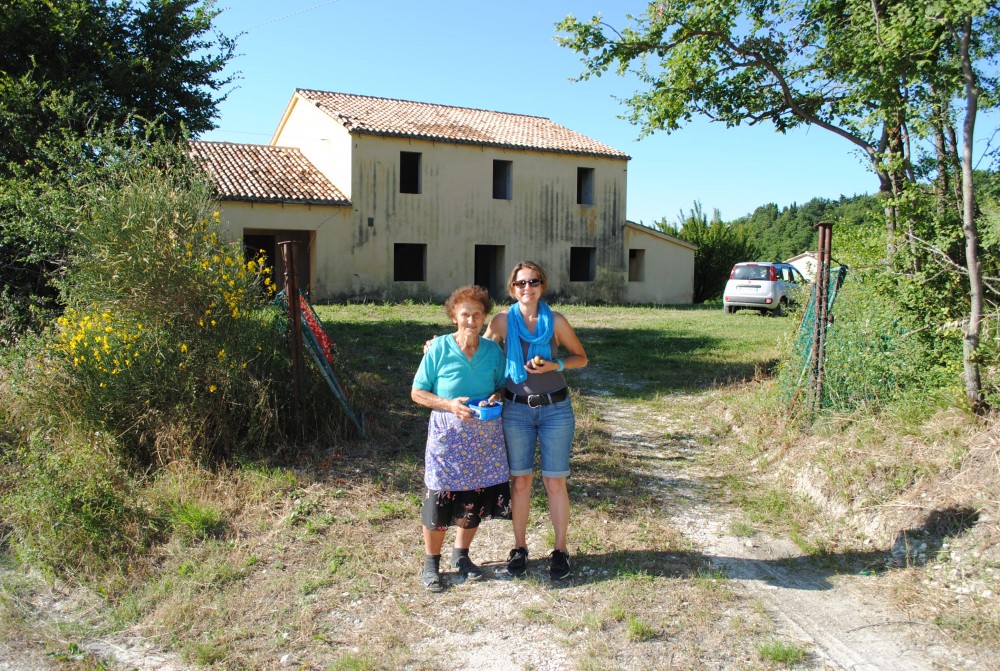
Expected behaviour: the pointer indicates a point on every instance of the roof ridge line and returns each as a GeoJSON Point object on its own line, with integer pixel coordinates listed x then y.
{"type": "Point", "coordinates": [428, 104]}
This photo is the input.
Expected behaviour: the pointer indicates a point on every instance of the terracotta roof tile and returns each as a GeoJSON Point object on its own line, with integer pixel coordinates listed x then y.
{"type": "Point", "coordinates": [265, 174]}
{"type": "Point", "coordinates": [386, 116]}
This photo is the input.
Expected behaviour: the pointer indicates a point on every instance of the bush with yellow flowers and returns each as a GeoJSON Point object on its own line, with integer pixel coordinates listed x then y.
{"type": "Point", "coordinates": [167, 354]}
{"type": "Point", "coordinates": [166, 341]}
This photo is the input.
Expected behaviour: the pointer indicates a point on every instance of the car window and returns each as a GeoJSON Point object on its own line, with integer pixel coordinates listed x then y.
{"type": "Point", "coordinates": [789, 274]}
{"type": "Point", "coordinates": [750, 273]}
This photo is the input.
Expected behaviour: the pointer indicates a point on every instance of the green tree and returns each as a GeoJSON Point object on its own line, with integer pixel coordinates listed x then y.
{"type": "Point", "coordinates": [120, 60]}
{"type": "Point", "coordinates": [719, 247]}
{"type": "Point", "coordinates": [70, 67]}
{"type": "Point", "coordinates": [883, 75]}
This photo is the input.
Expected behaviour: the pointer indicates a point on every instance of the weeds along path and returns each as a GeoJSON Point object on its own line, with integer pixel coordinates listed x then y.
{"type": "Point", "coordinates": [840, 620]}
{"type": "Point", "coordinates": [650, 541]}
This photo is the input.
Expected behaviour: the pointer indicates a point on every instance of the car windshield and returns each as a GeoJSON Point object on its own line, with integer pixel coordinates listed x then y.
{"type": "Point", "coordinates": [751, 273]}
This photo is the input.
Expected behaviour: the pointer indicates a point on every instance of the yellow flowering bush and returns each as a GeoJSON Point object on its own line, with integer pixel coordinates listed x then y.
{"type": "Point", "coordinates": [166, 341]}
{"type": "Point", "coordinates": [166, 349]}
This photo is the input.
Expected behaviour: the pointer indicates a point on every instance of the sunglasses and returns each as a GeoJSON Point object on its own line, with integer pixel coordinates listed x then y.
{"type": "Point", "coordinates": [520, 284]}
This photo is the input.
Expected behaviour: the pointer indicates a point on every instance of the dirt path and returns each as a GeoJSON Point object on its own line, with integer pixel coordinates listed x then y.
{"type": "Point", "coordinates": [838, 624]}
{"type": "Point", "coordinates": [839, 620]}
{"type": "Point", "coordinates": [842, 620]}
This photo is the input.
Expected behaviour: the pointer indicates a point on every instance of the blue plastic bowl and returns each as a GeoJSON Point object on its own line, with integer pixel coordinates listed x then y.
{"type": "Point", "coordinates": [485, 412]}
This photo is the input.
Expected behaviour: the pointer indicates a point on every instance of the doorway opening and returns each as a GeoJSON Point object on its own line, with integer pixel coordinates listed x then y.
{"type": "Point", "coordinates": [256, 241]}
{"type": "Point", "coordinates": [489, 270]}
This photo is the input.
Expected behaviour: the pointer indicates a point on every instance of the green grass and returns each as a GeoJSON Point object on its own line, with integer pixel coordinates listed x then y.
{"type": "Point", "coordinates": [637, 630]}
{"type": "Point", "coordinates": [351, 662]}
{"type": "Point", "coordinates": [782, 653]}
{"type": "Point", "coordinates": [194, 520]}
{"type": "Point", "coordinates": [641, 350]}
{"type": "Point", "coordinates": [316, 549]}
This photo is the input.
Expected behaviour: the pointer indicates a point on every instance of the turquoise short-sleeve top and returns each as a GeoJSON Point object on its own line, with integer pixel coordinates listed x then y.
{"type": "Point", "coordinates": [447, 372]}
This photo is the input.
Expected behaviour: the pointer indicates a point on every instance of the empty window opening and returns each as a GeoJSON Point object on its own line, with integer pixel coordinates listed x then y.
{"type": "Point", "coordinates": [409, 172]}
{"type": "Point", "coordinates": [636, 265]}
{"type": "Point", "coordinates": [582, 264]}
{"type": "Point", "coordinates": [409, 262]}
{"type": "Point", "coordinates": [503, 172]}
{"type": "Point", "coordinates": [584, 186]}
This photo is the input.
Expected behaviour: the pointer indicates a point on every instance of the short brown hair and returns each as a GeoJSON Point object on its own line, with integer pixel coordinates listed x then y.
{"type": "Point", "coordinates": [468, 293]}
{"type": "Point", "coordinates": [530, 265]}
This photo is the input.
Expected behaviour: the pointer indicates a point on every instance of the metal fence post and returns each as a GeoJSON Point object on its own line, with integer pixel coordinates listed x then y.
{"type": "Point", "coordinates": [823, 256]}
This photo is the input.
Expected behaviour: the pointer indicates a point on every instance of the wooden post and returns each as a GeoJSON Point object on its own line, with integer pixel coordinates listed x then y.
{"type": "Point", "coordinates": [289, 253]}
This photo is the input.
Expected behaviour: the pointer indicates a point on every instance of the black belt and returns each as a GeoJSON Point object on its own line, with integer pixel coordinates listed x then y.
{"type": "Point", "coordinates": [537, 400]}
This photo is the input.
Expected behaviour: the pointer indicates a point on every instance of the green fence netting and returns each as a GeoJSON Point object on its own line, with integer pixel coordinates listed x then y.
{"type": "Point", "coordinates": [320, 347]}
{"type": "Point", "coordinates": [866, 352]}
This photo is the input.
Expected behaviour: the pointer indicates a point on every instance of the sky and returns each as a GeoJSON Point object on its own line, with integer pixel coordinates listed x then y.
{"type": "Point", "coordinates": [503, 56]}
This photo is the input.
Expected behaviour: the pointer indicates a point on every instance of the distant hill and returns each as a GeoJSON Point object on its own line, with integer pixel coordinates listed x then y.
{"type": "Point", "coordinates": [780, 234]}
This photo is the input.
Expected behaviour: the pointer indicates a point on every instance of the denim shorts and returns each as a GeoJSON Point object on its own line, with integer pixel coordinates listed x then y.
{"type": "Point", "coordinates": [549, 426]}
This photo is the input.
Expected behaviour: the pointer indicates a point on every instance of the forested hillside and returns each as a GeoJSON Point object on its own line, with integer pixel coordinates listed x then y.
{"type": "Point", "coordinates": [783, 233]}
{"type": "Point", "coordinates": [769, 233]}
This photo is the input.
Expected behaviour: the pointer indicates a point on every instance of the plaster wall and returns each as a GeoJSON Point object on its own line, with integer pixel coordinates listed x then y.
{"type": "Point", "coordinates": [323, 232]}
{"type": "Point", "coordinates": [326, 143]}
{"type": "Point", "coordinates": [455, 211]}
{"type": "Point", "coordinates": [668, 268]}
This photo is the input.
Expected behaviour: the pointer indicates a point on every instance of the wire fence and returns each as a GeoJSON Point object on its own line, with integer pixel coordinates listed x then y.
{"type": "Point", "coordinates": [872, 354]}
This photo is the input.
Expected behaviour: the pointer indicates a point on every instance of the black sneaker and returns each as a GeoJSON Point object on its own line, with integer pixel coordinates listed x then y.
{"type": "Point", "coordinates": [468, 570]}
{"type": "Point", "coordinates": [559, 567]}
{"type": "Point", "coordinates": [517, 562]}
{"type": "Point", "coordinates": [431, 578]}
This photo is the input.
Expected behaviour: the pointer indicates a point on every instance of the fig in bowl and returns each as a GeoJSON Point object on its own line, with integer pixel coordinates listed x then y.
{"type": "Point", "coordinates": [485, 409]}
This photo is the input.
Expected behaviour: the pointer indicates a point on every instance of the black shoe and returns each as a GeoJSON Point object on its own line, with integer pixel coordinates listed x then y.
{"type": "Point", "coordinates": [431, 574]}
{"type": "Point", "coordinates": [432, 580]}
{"type": "Point", "coordinates": [517, 562]}
{"type": "Point", "coordinates": [468, 570]}
{"type": "Point", "coordinates": [559, 567]}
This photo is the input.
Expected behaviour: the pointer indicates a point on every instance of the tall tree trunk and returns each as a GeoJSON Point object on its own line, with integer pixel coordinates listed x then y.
{"type": "Point", "coordinates": [956, 165]}
{"type": "Point", "coordinates": [882, 166]}
{"type": "Point", "coordinates": [972, 326]}
{"type": "Point", "coordinates": [942, 185]}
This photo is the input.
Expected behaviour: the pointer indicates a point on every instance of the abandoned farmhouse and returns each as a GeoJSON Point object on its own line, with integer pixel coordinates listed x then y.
{"type": "Point", "coordinates": [391, 199]}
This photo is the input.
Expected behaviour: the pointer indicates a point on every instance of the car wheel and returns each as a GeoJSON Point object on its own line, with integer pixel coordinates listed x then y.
{"type": "Point", "coordinates": [781, 309]}
{"type": "Point", "coordinates": [728, 309]}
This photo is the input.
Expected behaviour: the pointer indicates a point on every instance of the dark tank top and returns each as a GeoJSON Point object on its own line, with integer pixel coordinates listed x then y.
{"type": "Point", "coordinates": [537, 383]}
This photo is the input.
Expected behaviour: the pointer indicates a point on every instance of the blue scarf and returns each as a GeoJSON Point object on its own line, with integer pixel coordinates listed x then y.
{"type": "Point", "coordinates": [538, 344]}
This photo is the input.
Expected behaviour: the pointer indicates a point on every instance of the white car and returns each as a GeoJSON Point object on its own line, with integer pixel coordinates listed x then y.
{"type": "Point", "coordinates": [767, 287]}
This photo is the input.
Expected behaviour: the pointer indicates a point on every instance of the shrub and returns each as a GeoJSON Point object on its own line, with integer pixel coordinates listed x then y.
{"type": "Point", "coordinates": [929, 299]}
{"type": "Point", "coordinates": [876, 351]}
{"type": "Point", "coordinates": [167, 350]}
{"type": "Point", "coordinates": [164, 342]}
{"type": "Point", "coordinates": [74, 508]}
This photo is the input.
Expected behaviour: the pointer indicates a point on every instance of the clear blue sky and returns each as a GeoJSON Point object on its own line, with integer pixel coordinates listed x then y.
{"type": "Point", "coordinates": [503, 56]}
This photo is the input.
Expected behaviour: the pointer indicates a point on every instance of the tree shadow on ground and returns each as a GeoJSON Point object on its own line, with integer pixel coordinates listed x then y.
{"type": "Point", "coordinates": [639, 363]}
{"type": "Point", "coordinates": [808, 572]}
{"type": "Point", "coordinates": [801, 573]}
{"type": "Point", "coordinates": [635, 362]}
{"type": "Point", "coordinates": [918, 545]}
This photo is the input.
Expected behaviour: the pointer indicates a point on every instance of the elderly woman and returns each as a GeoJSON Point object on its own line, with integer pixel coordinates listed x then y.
{"type": "Point", "coordinates": [465, 464]}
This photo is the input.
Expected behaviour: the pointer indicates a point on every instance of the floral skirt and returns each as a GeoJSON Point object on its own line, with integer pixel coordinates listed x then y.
{"type": "Point", "coordinates": [465, 509]}
{"type": "Point", "coordinates": [463, 456]}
